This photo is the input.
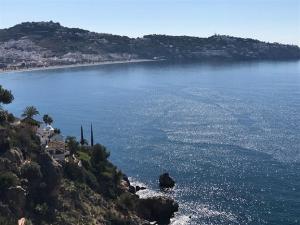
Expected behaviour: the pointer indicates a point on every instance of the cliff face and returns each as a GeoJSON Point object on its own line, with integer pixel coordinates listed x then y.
{"type": "Point", "coordinates": [85, 188]}
{"type": "Point", "coordinates": [47, 43]}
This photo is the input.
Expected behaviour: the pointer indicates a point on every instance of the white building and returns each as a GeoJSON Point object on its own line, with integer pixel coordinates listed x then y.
{"type": "Point", "coordinates": [45, 132]}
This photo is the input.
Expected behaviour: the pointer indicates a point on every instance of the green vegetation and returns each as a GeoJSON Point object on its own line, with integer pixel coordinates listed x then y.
{"type": "Point", "coordinates": [34, 186]}
{"type": "Point", "coordinates": [7, 179]}
{"type": "Point", "coordinates": [59, 45]}
{"type": "Point", "coordinates": [84, 189]}
{"type": "Point", "coordinates": [96, 171]}
{"type": "Point", "coordinates": [31, 171]}
{"type": "Point", "coordinates": [6, 96]}
{"type": "Point", "coordinates": [30, 112]}
{"type": "Point", "coordinates": [47, 119]}
{"type": "Point", "coordinates": [72, 144]}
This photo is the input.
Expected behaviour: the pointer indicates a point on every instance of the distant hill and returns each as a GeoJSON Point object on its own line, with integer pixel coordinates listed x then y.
{"type": "Point", "coordinates": [34, 44]}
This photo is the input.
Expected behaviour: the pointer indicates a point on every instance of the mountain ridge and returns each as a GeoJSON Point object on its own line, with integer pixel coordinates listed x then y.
{"type": "Point", "coordinates": [43, 44]}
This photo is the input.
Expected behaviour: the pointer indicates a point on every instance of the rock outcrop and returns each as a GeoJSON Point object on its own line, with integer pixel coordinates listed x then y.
{"type": "Point", "coordinates": [15, 156]}
{"type": "Point", "coordinates": [52, 173]}
{"type": "Point", "coordinates": [165, 181]}
{"type": "Point", "coordinates": [139, 188]}
{"type": "Point", "coordinates": [159, 209]}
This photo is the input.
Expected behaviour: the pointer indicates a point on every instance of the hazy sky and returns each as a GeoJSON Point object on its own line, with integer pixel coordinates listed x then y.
{"type": "Point", "coordinates": [268, 20]}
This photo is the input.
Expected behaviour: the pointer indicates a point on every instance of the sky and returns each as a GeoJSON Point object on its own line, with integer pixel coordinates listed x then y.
{"type": "Point", "coordinates": [266, 20]}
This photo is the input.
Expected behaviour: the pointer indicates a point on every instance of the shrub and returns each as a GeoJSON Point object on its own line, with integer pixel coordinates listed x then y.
{"type": "Point", "coordinates": [7, 221]}
{"type": "Point", "coordinates": [80, 174]}
{"type": "Point", "coordinates": [3, 116]}
{"type": "Point", "coordinates": [85, 159]}
{"type": "Point", "coordinates": [10, 117]}
{"type": "Point", "coordinates": [73, 172]}
{"type": "Point", "coordinates": [91, 180]}
{"type": "Point", "coordinates": [4, 141]}
{"type": "Point", "coordinates": [8, 179]}
{"type": "Point", "coordinates": [25, 139]}
{"type": "Point", "coordinates": [31, 171]}
{"type": "Point", "coordinates": [41, 209]}
{"type": "Point", "coordinates": [72, 143]}
{"type": "Point", "coordinates": [99, 155]}
{"type": "Point", "coordinates": [126, 201]}
{"type": "Point", "coordinates": [57, 131]}
{"type": "Point", "coordinates": [113, 218]}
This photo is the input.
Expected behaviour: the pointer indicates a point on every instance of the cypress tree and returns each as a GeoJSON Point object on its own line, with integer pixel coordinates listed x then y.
{"type": "Point", "coordinates": [92, 136]}
{"type": "Point", "coordinates": [81, 136]}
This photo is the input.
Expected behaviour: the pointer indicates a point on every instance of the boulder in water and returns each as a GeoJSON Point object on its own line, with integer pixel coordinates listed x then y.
{"type": "Point", "coordinates": [139, 188]}
{"type": "Point", "coordinates": [165, 181]}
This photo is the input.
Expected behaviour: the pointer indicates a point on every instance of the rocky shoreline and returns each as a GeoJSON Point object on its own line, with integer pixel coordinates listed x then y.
{"type": "Point", "coordinates": [155, 208]}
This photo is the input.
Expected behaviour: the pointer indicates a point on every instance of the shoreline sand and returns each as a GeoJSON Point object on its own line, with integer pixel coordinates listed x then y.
{"type": "Point", "coordinates": [78, 65]}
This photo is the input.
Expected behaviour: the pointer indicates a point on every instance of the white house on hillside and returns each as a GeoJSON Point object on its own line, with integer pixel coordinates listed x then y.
{"type": "Point", "coordinates": [45, 132]}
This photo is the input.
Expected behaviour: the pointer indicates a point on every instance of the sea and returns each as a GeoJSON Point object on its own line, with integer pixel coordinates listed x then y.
{"type": "Point", "coordinates": [228, 133]}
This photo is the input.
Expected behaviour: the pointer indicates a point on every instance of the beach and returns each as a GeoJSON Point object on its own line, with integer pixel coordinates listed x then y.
{"type": "Point", "coordinates": [78, 65]}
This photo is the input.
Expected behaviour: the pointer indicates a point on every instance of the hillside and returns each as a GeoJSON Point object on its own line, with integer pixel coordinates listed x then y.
{"type": "Point", "coordinates": [39, 186]}
{"type": "Point", "coordinates": [39, 44]}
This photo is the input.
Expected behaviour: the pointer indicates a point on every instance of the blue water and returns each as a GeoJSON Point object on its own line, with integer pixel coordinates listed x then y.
{"type": "Point", "coordinates": [229, 134]}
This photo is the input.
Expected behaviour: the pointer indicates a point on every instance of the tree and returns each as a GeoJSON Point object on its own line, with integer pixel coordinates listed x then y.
{"type": "Point", "coordinates": [81, 136]}
{"type": "Point", "coordinates": [57, 131]}
{"type": "Point", "coordinates": [30, 112]}
{"type": "Point", "coordinates": [73, 144]}
{"type": "Point", "coordinates": [7, 179]}
{"type": "Point", "coordinates": [92, 136]}
{"type": "Point", "coordinates": [99, 155]}
{"type": "Point", "coordinates": [47, 119]}
{"type": "Point", "coordinates": [6, 96]}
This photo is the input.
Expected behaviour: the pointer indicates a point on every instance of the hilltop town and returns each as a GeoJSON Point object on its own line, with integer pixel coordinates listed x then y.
{"type": "Point", "coordinates": [46, 44]}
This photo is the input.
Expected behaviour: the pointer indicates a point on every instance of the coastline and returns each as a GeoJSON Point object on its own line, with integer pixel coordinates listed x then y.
{"type": "Point", "coordinates": [78, 65]}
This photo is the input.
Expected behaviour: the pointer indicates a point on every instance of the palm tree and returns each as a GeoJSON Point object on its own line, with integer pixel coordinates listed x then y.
{"type": "Point", "coordinates": [30, 112]}
{"type": "Point", "coordinates": [47, 119]}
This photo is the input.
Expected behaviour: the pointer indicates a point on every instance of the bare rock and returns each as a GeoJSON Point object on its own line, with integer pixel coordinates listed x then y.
{"type": "Point", "coordinates": [138, 188]}
{"type": "Point", "coordinates": [165, 181]}
{"type": "Point", "coordinates": [15, 156]}
{"type": "Point", "coordinates": [132, 189]}
{"type": "Point", "coordinates": [52, 173]}
{"type": "Point", "coordinates": [160, 209]}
